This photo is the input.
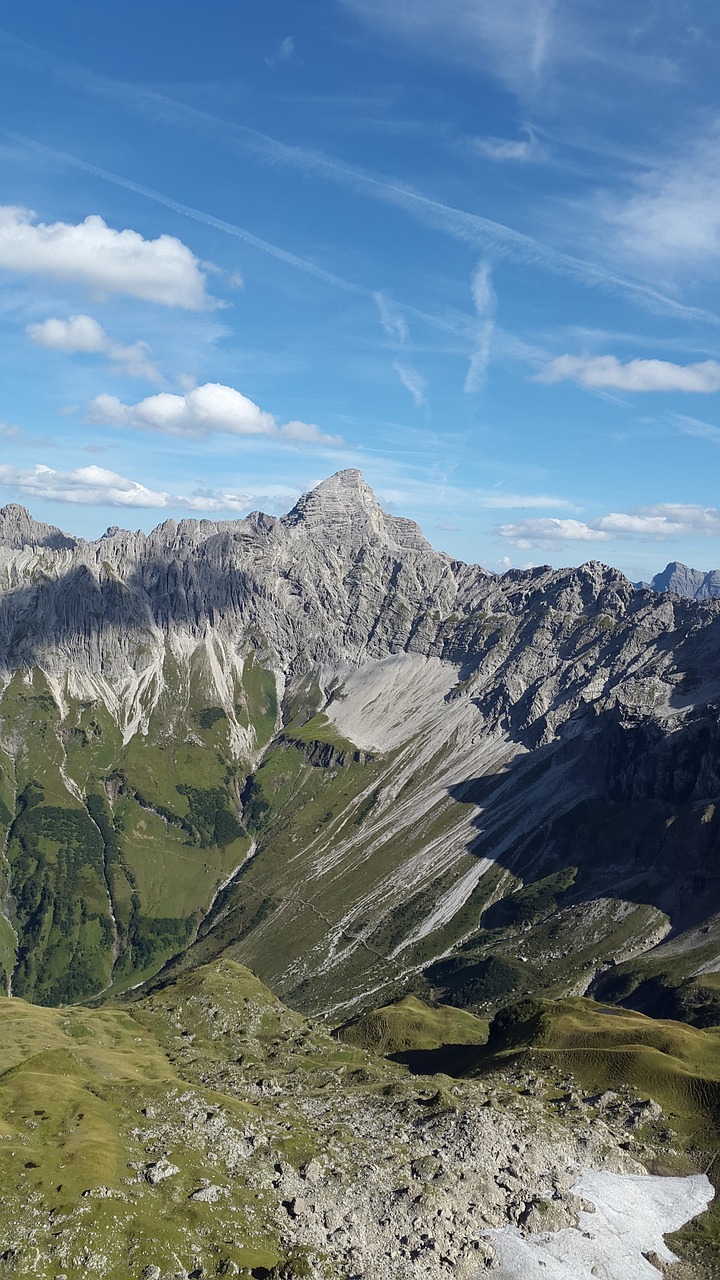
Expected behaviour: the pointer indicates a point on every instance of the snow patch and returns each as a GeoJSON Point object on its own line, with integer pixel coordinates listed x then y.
{"type": "Point", "coordinates": [632, 1214]}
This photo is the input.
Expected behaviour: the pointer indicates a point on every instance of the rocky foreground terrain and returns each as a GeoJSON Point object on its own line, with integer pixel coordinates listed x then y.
{"type": "Point", "coordinates": [207, 1130]}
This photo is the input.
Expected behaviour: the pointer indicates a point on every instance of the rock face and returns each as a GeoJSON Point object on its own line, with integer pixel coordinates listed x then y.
{"type": "Point", "coordinates": [406, 738]}
{"type": "Point", "coordinates": [18, 530]}
{"type": "Point", "coordinates": [693, 584]}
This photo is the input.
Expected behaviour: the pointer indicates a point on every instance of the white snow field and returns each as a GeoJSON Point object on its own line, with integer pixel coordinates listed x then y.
{"type": "Point", "coordinates": [632, 1214]}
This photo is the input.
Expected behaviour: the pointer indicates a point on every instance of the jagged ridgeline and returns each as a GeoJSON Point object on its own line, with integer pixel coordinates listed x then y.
{"type": "Point", "coordinates": [355, 764]}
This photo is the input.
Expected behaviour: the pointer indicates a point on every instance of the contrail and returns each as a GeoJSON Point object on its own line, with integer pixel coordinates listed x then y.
{"type": "Point", "coordinates": [471, 228]}
{"type": "Point", "coordinates": [198, 215]}
{"type": "Point", "coordinates": [231, 229]}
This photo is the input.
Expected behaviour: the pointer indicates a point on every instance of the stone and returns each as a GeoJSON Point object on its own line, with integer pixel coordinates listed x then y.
{"type": "Point", "coordinates": [208, 1195]}
{"type": "Point", "coordinates": [159, 1170]}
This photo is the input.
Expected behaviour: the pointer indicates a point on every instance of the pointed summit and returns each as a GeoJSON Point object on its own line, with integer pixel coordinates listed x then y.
{"type": "Point", "coordinates": [18, 530]}
{"type": "Point", "coordinates": [347, 508]}
{"type": "Point", "coordinates": [343, 492]}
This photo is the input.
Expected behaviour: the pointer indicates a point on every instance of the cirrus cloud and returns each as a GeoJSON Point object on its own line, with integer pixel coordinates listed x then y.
{"type": "Point", "coordinates": [604, 372]}
{"type": "Point", "coordinates": [209, 409]}
{"type": "Point", "coordinates": [102, 260]}
{"type": "Point", "coordinates": [672, 217]}
{"type": "Point", "coordinates": [82, 333]}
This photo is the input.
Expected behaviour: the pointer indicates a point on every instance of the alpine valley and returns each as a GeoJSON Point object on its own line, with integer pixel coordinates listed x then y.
{"type": "Point", "coordinates": [269, 779]}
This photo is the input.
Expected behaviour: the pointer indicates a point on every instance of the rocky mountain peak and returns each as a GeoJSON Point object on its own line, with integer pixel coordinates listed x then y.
{"type": "Point", "coordinates": [18, 530]}
{"type": "Point", "coordinates": [348, 509]}
{"type": "Point", "coordinates": [693, 584]}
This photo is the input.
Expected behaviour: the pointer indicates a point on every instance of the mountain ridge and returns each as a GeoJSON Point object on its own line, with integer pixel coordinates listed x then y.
{"type": "Point", "coordinates": [316, 729]}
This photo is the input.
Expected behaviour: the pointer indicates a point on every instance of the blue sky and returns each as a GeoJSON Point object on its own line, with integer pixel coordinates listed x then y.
{"type": "Point", "coordinates": [473, 249]}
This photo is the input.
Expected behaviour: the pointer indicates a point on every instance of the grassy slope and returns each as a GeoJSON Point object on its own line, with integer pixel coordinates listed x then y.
{"type": "Point", "coordinates": [170, 834]}
{"type": "Point", "coordinates": [560, 921]}
{"type": "Point", "coordinates": [86, 1097]}
{"type": "Point", "coordinates": [411, 1025]}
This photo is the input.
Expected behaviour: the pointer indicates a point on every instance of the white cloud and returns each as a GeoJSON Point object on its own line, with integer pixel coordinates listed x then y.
{"type": "Point", "coordinates": [396, 329]}
{"type": "Point", "coordinates": [513, 38]}
{"type": "Point", "coordinates": [636, 375]}
{"type": "Point", "coordinates": [96, 486]}
{"type": "Point", "coordinates": [664, 520]}
{"type": "Point", "coordinates": [548, 531]}
{"type": "Point", "coordinates": [93, 485]}
{"type": "Point", "coordinates": [287, 48]}
{"type": "Point", "coordinates": [77, 333]}
{"type": "Point", "coordinates": [524, 150]}
{"type": "Point", "coordinates": [412, 381]}
{"type": "Point", "coordinates": [83, 333]}
{"type": "Point", "coordinates": [485, 301]}
{"type": "Point", "coordinates": [673, 216]}
{"type": "Point", "coordinates": [392, 319]}
{"type": "Point", "coordinates": [100, 259]}
{"type": "Point", "coordinates": [204, 410]}
{"type": "Point", "coordinates": [500, 500]}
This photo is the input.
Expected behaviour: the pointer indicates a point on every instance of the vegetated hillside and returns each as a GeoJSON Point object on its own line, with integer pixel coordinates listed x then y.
{"type": "Point", "coordinates": [206, 1129]}
{"type": "Point", "coordinates": [357, 765]}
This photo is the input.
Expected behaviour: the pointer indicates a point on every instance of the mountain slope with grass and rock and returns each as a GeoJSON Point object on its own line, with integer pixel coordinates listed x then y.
{"type": "Point", "coordinates": [351, 762]}
{"type": "Point", "coordinates": [359, 908]}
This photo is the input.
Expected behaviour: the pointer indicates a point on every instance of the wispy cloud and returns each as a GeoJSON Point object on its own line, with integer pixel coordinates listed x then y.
{"type": "Point", "coordinates": [635, 375]}
{"type": "Point", "coordinates": [485, 301]}
{"type": "Point", "coordinates": [514, 39]}
{"type": "Point", "coordinates": [412, 380]}
{"type": "Point", "coordinates": [525, 44]}
{"type": "Point", "coordinates": [210, 409]}
{"type": "Point", "coordinates": [284, 52]}
{"type": "Point", "coordinates": [671, 219]}
{"type": "Point", "coordinates": [523, 150]}
{"type": "Point", "coordinates": [482, 233]}
{"type": "Point", "coordinates": [696, 427]}
{"type": "Point", "coordinates": [395, 327]}
{"type": "Point", "coordinates": [81, 333]}
{"type": "Point", "coordinates": [392, 319]}
{"type": "Point", "coordinates": [456, 324]}
{"type": "Point", "coordinates": [101, 259]}
{"type": "Point", "coordinates": [498, 499]}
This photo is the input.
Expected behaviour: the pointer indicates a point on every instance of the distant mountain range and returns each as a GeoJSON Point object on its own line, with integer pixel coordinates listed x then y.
{"type": "Point", "coordinates": [693, 584]}
{"type": "Point", "coordinates": [351, 762]}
